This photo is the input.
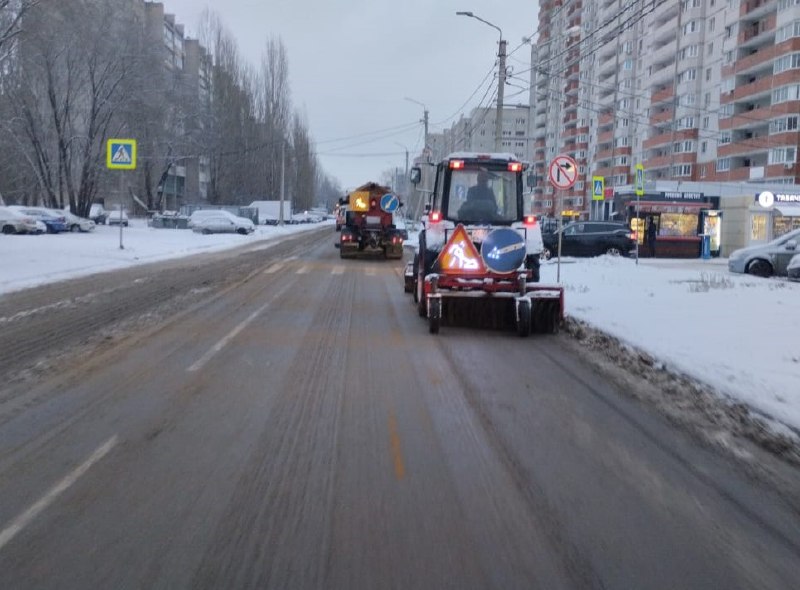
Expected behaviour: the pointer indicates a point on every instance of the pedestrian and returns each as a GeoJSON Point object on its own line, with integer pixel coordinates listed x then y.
{"type": "Point", "coordinates": [650, 236]}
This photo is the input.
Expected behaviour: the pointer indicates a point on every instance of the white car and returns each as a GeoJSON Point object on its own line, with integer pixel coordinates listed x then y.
{"type": "Point", "coordinates": [76, 223]}
{"type": "Point", "coordinates": [218, 224]}
{"type": "Point", "coordinates": [117, 217]}
{"type": "Point", "coordinates": [14, 222]}
{"type": "Point", "coordinates": [197, 216]}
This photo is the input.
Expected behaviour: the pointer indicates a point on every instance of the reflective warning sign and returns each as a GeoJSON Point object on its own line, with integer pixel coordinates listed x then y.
{"type": "Point", "coordinates": [459, 255]}
{"type": "Point", "coordinates": [359, 201]}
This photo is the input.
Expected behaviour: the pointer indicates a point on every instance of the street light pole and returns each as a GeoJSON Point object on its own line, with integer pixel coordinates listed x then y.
{"type": "Point", "coordinates": [424, 119]}
{"type": "Point", "coordinates": [501, 81]}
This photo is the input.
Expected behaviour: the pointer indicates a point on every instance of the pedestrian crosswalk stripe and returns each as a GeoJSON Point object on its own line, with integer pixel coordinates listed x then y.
{"type": "Point", "coordinates": [303, 270]}
{"type": "Point", "coordinates": [273, 269]}
{"type": "Point", "coordinates": [337, 270]}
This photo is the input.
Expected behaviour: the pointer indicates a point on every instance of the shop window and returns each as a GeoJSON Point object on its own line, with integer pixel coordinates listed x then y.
{"type": "Point", "coordinates": [758, 227]}
{"type": "Point", "coordinates": [678, 224]}
{"type": "Point", "coordinates": [783, 225]}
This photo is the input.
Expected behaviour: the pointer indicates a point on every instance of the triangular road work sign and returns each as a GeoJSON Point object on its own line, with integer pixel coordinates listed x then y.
{"type": "Point", "coordinates": [459, 255]}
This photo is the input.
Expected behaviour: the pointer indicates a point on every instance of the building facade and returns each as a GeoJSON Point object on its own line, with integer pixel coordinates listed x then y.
{"type": "Point", "coordinates": [695, 90]}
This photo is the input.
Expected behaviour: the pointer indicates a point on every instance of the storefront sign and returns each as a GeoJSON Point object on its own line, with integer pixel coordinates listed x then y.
{"type": "Point", "coordinates": [682, 196]}
{"type": "Point", "coordinates": [767, 198]}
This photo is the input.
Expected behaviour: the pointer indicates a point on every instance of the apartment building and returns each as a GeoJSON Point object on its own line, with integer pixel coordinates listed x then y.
{"type": "Point", "coordinates": [476, 133]}
{"type": "Point", "coordinates": [695, 90]}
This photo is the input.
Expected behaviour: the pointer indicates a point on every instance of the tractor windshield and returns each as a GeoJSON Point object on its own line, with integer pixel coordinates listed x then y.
{"type": "Point", "coordinates": [483, 195]}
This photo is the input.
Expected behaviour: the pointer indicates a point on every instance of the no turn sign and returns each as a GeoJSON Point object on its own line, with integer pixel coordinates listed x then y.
{"type": "Point", "coordinates": [563, 172]}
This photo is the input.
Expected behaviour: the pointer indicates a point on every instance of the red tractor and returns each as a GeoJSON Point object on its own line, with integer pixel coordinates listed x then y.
{"type": "Point", "coordinates": [369, 226]}
{"type": "Point", "coordinates": [478, 257]}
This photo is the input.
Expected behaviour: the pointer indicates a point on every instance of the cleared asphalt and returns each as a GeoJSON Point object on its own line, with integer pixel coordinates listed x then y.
{"type": "Point", "coordinates": [297, 427]}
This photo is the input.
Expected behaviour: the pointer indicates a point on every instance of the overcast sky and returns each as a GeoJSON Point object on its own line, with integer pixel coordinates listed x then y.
{"type": "Point", "coordinates": [353, 62]}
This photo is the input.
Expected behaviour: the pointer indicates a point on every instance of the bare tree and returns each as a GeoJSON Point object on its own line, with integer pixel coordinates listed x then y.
{"type": "Point", "coordinates": [66, 94]}
{"type": "Point", "coordinates": [11, 14]}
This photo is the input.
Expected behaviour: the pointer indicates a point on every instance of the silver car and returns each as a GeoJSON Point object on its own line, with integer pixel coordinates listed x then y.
{"type": "Point", "coordinates": [793, 270]}
{"type": "Point", "coordinates": [767, 259]}
{"type": "Point", "coordinates": [219, 224]}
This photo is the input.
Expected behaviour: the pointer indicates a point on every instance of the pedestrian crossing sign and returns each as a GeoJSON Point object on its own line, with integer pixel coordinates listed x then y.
{"type": "Point", "coordinates": [121, 154]}
{"type": "Point", "coordinates": [639, 186]}
{"type": "Point", "coordinates": [598, 188]}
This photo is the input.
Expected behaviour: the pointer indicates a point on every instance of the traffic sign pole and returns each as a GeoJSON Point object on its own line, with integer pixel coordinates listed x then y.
{"type": "Point", "coordinates": [563, 172]}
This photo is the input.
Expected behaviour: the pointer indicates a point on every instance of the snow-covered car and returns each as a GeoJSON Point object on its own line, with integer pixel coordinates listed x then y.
{"type": "Point", "coordinates": [78, 224]}
{"type": "Point", "coordinates": [55, 221]}
{"type": "Point", "coordinates": [768, 259]}
{"type": "Point", "coordinates": [97, 213]}
{"type": "Point", "coordinates": [14, 222]}
{"type": "Point", "coordinates": [793, 269]}
{"type": "Point", "coordinates": [218, 224]}
{"type": "Point", "coordinates": [204, 213]}
{"type": "Point", "coordinates": [117, 217]}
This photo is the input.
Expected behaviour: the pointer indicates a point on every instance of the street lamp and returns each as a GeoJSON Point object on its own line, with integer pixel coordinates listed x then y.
{"type": "Point", "coordinates": [501, 80]}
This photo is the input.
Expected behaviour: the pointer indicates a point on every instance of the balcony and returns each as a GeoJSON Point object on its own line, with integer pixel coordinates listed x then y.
{"type": "Point", "coordinates": [762, 86]}
{"type": "Point", "coordinates": [571, 87]}
{"type": "Point", "coordinates": [757, 33]}
{"type": "Point", "coordinates": [662, 117]}
{"type": "Point", "coordinates": [671, 160]}
{"type": "Point", "coordinates": [664, 95]}
{"type": "Point", "coordinates": [605, 119]}
{"type": "Point", "coordinates": [669, 137]}
{"type": "Point", "coordinates": [605, 137]}
{"type": "Point", "coordinates": [606, 154]}
{"type": "Point", "coordinates": [757, 8]}
{"type": "Point", "coordinates": [757, 117]}
{"type": "Point", "coordinates": [743, 147]}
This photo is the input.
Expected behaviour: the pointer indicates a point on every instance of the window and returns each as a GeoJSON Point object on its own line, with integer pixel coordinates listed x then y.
{"type": "Point", "coordinates": [783, 125]}
{"type": "Point", "coordinates": [682, 147]}
{"type": "Point", "coordinates": [710, 48]}
{"type": "Point", "coordinates": [784, 155]}
{"type": "Point", "coordinates": [785, 93]}
{"type": "Point", "coordinates": [688, 100]}
{"type": "Point", "coordinates": [707, 99]}
{"type": "Point", "coordinates": [723, 164]}
{"type": "Point", "coordinates": [686, 123]}
{"type": "Point", "coordinates": [711, 23]}
{"type": "Point", "coordinates": [787, 31]}
{"type": "Point", "coordinates": [724, 138]}
{"type": "Point", "coordinates": [784, 4]}
{"type": "Point", "coordinates": [729, 55]}
{"type": "Point", "coordinates": [691, 27]}
{"type": "Point", "coordinates": [703, 171]}
{"type": "Point", "coordinates": [703, 147]}
{"type": "Point", "coordinates": [786, 62]}
{"type": "Point", "coordinates": [708, 74]}
{"type": "Point", "coordinates": [726, 110]}
{"type": "Point", "coordinates": [621, 142]}
{"type": "Point", "coordinates": [690, 51]}
{"type": "Point", "coordinates": [687, 75]}
{"type": "Point", "coordinates": [705, 122]}
{"type": "Point", "coordinates": [621, 161]}
{"type": "Point", "coordinates": [628, 65]}
{"type": "Point", "coordinates": [758, 227]}
{"type": "Point", "coordinates": [727, 85]}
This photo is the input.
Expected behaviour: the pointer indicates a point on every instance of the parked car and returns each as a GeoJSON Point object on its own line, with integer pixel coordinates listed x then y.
{"type": "Point", "coordinates": [56, 222]}
{"type": "Point", "coordinates": [76, 223]}
{"type": "Point", "coordinates": [218, 224]}
{"type": "Point", "coordinates": [768, 259]}
{"type": "Point", "coordinates": [198, 216]}
{"type": "Point", "coordinates": [14, 222]}
{"type": "Point", "coordinates": [590, 238]}
{"type": "Point", "coordinates": [793, 269]}
{"type": "Point", "coordinates": [117, 217]}
{"type": "Point", "coordinates": [98, 214]}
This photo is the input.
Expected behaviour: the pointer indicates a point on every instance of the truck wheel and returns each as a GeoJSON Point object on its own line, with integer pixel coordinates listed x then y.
{"type": "Point", "coordinates": [524, 318]}
{"type": "Point", "coordinates": [434, 315]}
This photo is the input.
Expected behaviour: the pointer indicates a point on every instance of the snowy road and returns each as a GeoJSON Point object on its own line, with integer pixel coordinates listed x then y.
{"type": "Point", "coordinates": [294, 425]}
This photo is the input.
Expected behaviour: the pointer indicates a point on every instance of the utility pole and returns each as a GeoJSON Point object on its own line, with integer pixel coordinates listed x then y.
{"type": "Point", "coordinates": [283, 181]}
{"type": "Point", "coordinates": [501, 83]}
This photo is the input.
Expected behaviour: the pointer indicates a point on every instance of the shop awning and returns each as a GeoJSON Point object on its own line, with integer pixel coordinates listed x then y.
{"type": "Point", "coordinates": [788, 209]}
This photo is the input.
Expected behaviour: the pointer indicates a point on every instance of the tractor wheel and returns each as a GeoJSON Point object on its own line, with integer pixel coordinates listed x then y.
{"type": "Point", "coordinates": [524, 318]}
{"type": "Point", "coordinates": [419, 295]}
{"type": "Point", "coordinates": [434, 315]}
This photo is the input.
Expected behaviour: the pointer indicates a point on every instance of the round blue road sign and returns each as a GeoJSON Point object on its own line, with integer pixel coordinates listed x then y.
{"type": "Point", "coordinates": [503, 250]}
{"type": "Point", "coordinates": [390, 203]}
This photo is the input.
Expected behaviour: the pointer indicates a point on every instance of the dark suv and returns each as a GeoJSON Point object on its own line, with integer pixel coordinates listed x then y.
{"type": "Point", "coordinates": [590, 238]}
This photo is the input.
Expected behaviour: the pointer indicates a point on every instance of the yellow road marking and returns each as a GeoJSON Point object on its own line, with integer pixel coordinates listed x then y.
{"type": "Point", "coordinates": [397, 452]}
